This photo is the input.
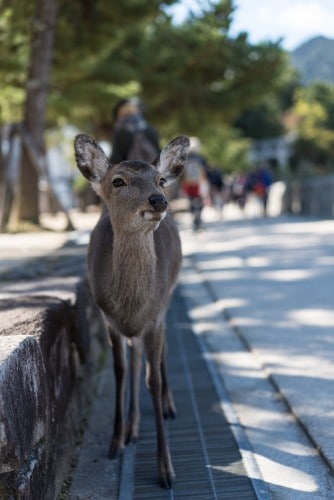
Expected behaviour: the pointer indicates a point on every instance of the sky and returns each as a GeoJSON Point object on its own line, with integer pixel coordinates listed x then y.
{"type": "Point", "coordinates": [295, 21]}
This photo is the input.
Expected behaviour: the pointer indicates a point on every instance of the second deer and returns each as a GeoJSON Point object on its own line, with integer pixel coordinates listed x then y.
{"type": "Point", "coordinates": [134, 258]}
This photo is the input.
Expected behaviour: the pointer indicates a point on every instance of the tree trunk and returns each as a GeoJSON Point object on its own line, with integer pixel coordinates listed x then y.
{"type": "Point", "coordinates": [35, 106]}
{"type": "Point", "coordinates": [8, 171]}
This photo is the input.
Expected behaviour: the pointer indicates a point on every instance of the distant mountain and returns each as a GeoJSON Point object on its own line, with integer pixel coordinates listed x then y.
{"type": "Point", "coordinates": [314, 60]}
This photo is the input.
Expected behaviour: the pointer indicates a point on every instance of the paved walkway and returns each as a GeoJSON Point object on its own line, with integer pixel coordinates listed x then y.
{"type": "Point", "coordinates": [259, 293]}
{"type": "Point", "coordinates": [205, 454]}
{"type": "Point", "coordinates": [18, 248]}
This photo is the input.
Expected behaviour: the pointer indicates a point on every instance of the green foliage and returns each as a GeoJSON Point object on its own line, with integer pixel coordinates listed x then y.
{"type": "Point", "coordinates": [314, 108]}
{"type": "Point", "coordinates": [98, 67]}
{"type": "Point", "coordinates": [14, 49]}
{"type": "Point", "coordinates": [264, 120]}
{"type": "Point", "coordinates": [203, 75]}
{"type": "Point", "coordinates": [224, 148]}
{"type": "Point", "coordinates": [193, 77]}
{"type": "Point", "coordinates": [186, 74]}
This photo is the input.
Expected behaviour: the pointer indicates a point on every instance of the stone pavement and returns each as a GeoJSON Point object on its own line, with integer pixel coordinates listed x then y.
{"type": "Point", "coordinates": [259, 292]}
{"type": "Point", "coordinates": [18, 248]}
{"type": "Point", "coordinates": [205, 454]}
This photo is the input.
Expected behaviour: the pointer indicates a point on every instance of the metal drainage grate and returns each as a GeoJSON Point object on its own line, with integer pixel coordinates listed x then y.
{"type": "Point", "coordinates": [205, 455]}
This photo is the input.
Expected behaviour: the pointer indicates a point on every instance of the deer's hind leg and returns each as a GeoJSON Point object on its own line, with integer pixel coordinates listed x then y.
{"type": "Point", "coordinates": [120, 370]}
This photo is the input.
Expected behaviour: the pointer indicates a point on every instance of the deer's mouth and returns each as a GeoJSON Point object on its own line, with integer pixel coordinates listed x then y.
{"type": "Point", "coordinates": [151, 215]}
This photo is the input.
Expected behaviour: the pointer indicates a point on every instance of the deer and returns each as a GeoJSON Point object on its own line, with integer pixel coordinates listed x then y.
{"type": "Point", "coordinates": [134, 257]}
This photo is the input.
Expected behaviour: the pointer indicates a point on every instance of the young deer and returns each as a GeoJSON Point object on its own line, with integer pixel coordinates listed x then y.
{"type": "Point", "coordinates": [134, 257]}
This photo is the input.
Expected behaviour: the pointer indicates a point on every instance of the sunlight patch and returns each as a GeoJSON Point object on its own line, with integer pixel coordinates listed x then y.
{"type": "Point", "coordinates": [285, 476]}
{"type": "Point", "coordinates": [287, 275]}
{"type": "Point", "coordinates": [314, 317]}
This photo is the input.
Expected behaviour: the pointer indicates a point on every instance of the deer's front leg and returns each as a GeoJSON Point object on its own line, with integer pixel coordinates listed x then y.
{"type": "Point", "coordinates": [168, 405]}
{"type": "Point", "coordinates": [136, 353]}
{"type": "Point", "coordinates": [154, 348]}
{"type": "Point", "coordinates": [120, 368]}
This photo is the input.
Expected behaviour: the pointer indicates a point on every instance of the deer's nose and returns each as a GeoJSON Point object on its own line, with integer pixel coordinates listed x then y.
{"type": "Point", "coordinates": [158, 202]}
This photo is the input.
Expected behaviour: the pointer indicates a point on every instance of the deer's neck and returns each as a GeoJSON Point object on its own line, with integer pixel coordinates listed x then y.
{"type": "Point", "coordinates": [133, 270]}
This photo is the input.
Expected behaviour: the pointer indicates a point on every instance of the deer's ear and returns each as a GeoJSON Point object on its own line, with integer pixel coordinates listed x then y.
{"type": "Point", "coordinates": [173, 158]}
{"type": "Point", "coordinates": [91, 159]}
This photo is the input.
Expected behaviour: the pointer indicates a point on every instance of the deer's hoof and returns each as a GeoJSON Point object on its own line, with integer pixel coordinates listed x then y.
{"type": "Point", "coordinates": [169, 413]}
{"type": "Point", "coordinates": [131, 439]}
{"type": "Point", "coordinates": [131, 434]}
{"type": "Point", "coordinates": [167, 480]}
{"type": "Point", "coordinates": [115, 451]}
{"type": "Point", "coordinates": [166, 473]}
{"type": "Point", "coordinates": [168, 405]}
{"type": "Point", "coordinates": [169, 409]}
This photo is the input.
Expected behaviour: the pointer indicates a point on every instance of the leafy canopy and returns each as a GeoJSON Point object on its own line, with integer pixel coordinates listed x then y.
{"type": "Point", "coordinates": [193, 77]}
{"type": "Point", "coordinates": [314, 113]}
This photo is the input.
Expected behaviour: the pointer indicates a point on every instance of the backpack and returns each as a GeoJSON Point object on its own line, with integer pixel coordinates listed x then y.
{"type": "Point", "coordinates": [141, 148]}
{"type": "Point", "coordinates": [194, 169]}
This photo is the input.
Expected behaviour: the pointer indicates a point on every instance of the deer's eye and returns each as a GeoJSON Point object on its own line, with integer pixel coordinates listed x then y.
{"type": "Point", "coordinates": [118, 182]}
{"type": "Point", "coordinates": [162, 182]}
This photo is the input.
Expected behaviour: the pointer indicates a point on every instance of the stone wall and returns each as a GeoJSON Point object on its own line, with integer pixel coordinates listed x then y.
{"type": "Point", "coordinates": [311, 197]}
{"type": "Point", "coordinates": [52, 342]}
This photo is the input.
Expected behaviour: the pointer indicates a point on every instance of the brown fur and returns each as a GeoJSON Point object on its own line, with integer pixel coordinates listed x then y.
{"type": "Point", "coordinates": [134, 257]}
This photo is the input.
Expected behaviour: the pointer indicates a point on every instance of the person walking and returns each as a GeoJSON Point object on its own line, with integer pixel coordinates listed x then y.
{"type": "Point", "coordinates": [195, 184]}
{"type": "Point", "coordinates": [133, 138]}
